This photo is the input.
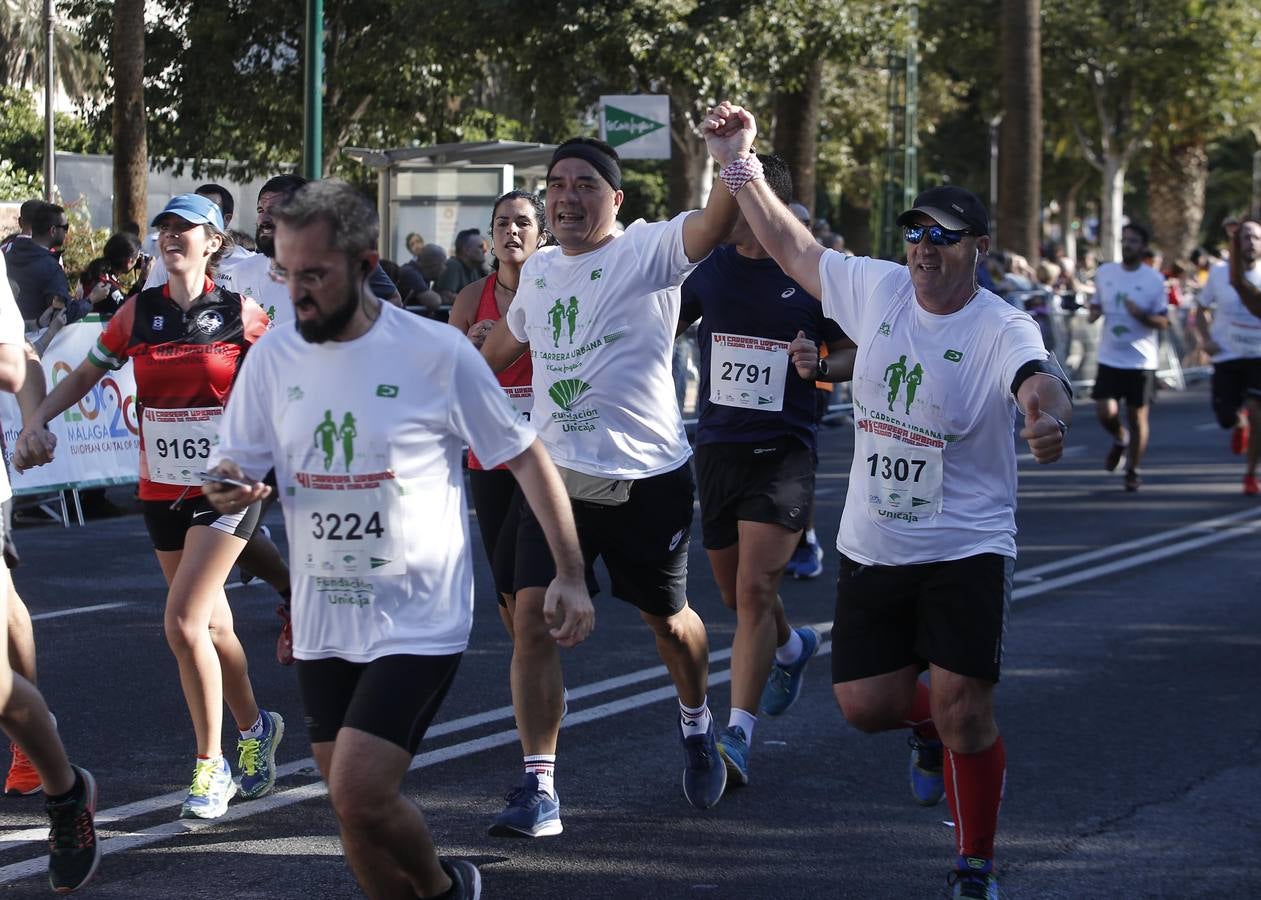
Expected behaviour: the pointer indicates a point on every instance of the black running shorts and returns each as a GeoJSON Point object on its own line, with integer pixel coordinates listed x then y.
{"type": "Point", "coordinates": [497, 501]}
{"type": "Point", "coordinates": [1234, 381]}
{"type": "Point", "coordinates": [393, 697]}
{"type": "Point", "coordinates": [1135, 386]}
{"type": "Point", "coordinates": [771, 481]}
{"type": "Point", "coordinates": [168, 526]}
{"type": "Point", "coordinates": [951, 614]}
{"type": "Point", "coordinates": [643, 543]}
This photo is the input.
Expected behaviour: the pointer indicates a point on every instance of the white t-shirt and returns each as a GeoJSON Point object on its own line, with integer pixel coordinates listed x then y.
{"type": "Point", "coordinates": [1236, 330]}
{"type": "Point", "coordinates": [12, 329]}
{"type": "Point", "coordinates": [253, 279]}
{"type": "Point", "coordinates": [601, 332]}
{"type": "Point", "coordinates": [366, 438]}
{"type": "Point", "coordinates": [225, 275]}
{"type": "Point", "coordinates": [1126, 343]}
{"type": "Point", "coordinates": [934, 471]}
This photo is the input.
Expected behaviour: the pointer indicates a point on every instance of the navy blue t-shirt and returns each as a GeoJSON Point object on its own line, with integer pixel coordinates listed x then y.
{"type": "Point", "coordinates": [732, 294]}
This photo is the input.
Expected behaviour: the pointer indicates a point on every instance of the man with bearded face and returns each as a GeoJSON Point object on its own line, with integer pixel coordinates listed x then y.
{"type": "Point", "coordinates": [378, 645]}
{"type": "Point", "coordinates": [257, 280]}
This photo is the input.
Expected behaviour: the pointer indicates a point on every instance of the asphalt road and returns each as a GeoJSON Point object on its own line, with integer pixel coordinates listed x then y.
{"type": "Point", "coordinates": [1128, 706]}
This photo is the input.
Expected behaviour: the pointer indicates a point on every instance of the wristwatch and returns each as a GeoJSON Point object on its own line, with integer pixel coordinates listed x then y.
{"type": "Point", "coordinates": [821, 369]}
{"type": "Point", "coordinates": [1063, 425]}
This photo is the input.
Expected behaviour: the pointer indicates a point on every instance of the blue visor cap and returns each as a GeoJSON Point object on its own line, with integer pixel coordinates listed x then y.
{"type": "Point", "coordinates": [192, 208]}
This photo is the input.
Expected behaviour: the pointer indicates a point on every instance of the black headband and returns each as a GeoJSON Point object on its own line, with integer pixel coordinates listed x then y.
{"type": "Point", "coordinates": [604, 164]}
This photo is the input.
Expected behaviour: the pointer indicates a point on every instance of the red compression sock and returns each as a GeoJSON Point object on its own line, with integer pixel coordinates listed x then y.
{"type": "Point", "coordinates": [921, 717]}
{"type": "Point", "coordinates": [974, 790]}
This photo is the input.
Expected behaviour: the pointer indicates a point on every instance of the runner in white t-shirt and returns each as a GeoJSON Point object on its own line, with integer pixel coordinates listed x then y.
{"type": "Point", "coordinates": [927, 535]}
{"type": "Point", "coordinates": [1229, 322]}
{"type": "Point", "coordinates": [69, 791]}
{"type": "Point", "coordinates": [1131, 298]}
{"type": "Point", "coordinates": [363, 410]}
{"type": "Point", "coordinates": [597, 315]}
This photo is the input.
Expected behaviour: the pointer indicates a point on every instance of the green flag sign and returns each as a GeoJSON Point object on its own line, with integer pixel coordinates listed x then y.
{"type": "Point", "coordinates": [636, 125]}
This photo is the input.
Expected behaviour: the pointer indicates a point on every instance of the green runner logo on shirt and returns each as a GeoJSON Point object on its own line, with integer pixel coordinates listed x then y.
{"type": "Point", "coordinates": [896, 376]}
{"type": "Point", "coordinates": [327, 433]}
{"type": "Point", "coordinates": [566, 393]}
{"type": "Point", "coordinates": [562, 315]}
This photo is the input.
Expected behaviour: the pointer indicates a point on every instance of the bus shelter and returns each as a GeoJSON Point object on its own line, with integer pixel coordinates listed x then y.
{"type": "Point", "coordinates": [438, 191]}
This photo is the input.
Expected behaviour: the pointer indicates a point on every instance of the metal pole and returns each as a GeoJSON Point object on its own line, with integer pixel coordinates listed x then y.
{"type": "Point", "coordinates": [49, 72]}
{"type": "Point", "coordinates": [1256, 183]}
{"type": "Point", "coordinates": [910, 158]}
{"type": "Point", "coordinates": [313, 105]}
{"type": "Point", "coordinates": [994, 123]}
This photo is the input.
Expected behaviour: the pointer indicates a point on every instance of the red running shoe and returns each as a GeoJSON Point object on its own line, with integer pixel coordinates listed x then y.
{"type": "Point", "coordinates": [23, 780]}
{"type": "Point", "coordinates": [1250, 486]}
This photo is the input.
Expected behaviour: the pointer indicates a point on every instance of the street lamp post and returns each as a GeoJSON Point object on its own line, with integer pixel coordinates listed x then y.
{"type": "Point", "coordinates": [49, 72]}
{"type": "Point", "coordinates": [994, 123]}
{"type": "Point", "coordinates": [313, 105]}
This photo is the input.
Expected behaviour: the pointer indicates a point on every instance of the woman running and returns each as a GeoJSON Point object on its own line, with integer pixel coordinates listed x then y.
{"type": "Point", "coordinates": [186, 339]}
{"type": "Point", "coordinates": [517, 230]}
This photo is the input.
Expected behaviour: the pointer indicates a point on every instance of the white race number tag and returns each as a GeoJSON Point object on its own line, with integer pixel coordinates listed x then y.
{"type": "Point", "coordinates": [522, 398]}
{"type": "Point", "coordinates": [1244, 339]}
{"type": "Point", "coordinates": [901, 482]}
{"type": "Point", "coordinates": [747, 372]}
{"type": "Point", "coordinates": [178, 442]}
{"type": "Point", "coordinates": [349, 532]}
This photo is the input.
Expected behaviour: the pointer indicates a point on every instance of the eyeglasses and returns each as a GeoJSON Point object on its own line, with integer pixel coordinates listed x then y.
{"type": "Point", "coordinates": [307, 279]}
{"type": "Point", "coordinates": [937, 236]}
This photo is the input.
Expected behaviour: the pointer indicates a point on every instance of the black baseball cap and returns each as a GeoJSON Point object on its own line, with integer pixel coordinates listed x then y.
{"type": "Point", "coordinates": [951, 207]}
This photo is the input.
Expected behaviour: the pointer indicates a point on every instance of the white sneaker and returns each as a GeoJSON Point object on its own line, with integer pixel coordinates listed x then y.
{"type": "Point", "coordinates": [210, 791]}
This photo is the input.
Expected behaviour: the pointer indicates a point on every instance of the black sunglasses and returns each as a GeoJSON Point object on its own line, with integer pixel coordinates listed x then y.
{"type": "Point", "coordinates": [937, 236]}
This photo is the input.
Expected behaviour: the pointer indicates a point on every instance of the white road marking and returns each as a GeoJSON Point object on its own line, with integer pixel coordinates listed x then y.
{"type": "Point", "coordinates": [76, 611]}
{"type": "Point", "coordinates": [1195, 528]}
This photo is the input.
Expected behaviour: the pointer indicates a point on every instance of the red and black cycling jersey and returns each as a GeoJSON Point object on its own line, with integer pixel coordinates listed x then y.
{"type": "Point", "coordinates": [181, 360]}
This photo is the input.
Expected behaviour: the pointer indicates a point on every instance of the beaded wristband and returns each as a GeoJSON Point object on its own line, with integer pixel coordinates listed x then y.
{"type": "Point", "coordinates": [740, 172]}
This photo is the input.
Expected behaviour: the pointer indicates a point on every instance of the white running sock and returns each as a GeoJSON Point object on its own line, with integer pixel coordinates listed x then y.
{"type": "Point", "coordinates": [543, 767]}
{"type": "Point", "coordinates": [257, 730]}
{"type": "Point", "coordinates": [695, 721]}
{"type": "Point", "coordinates": [790, 652]}
{"type": "Point", "coordinates": [742, 719]}
{"type": "Point", "coordinates": [811, 537]}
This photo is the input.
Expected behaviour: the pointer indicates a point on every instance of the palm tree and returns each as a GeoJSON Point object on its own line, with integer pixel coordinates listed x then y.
{"type": "Point", "coordinates": [78, 70]}
{"type": "Point", "coordinates": [1020, 152]}
{"type": "Point", "coordinates": [131, 148]}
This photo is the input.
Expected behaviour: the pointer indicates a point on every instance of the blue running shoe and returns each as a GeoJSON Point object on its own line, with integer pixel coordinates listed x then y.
{"type": "Point", "coordinates": [783, 685]}
{"type": "Point", "coordinates": [928, 784]}
{"type": "Point", "coordinates": [210, 791]}
{"type": "Point", "coordinates": [258, 757]}
{"type": "Point", "coordinates": [973, 878]}
{"type": "Point", "coordinates": [704, 774]}
{"type": "Point", "coordinates": [531, 812]}
{"type": "Point", "coordinates": [734, 747]}
{"type": "Point", "coordinates": [465, 879]}
{"type": "Point", "coordinates": [806, 562]}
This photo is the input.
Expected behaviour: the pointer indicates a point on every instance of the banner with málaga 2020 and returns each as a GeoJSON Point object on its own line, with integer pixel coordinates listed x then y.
{"type": "Point", "coordinates": [98, 439]}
